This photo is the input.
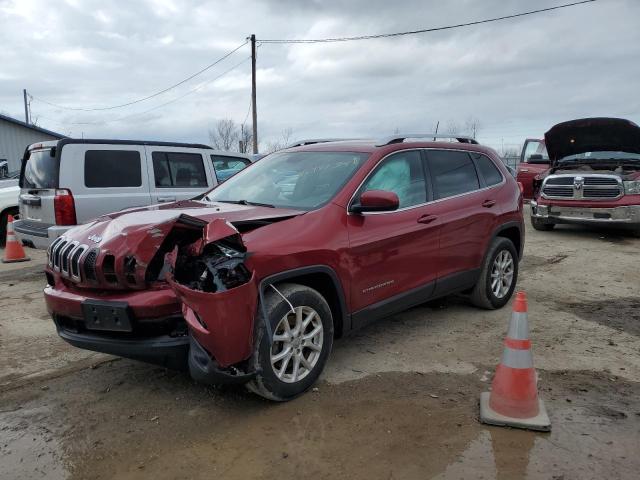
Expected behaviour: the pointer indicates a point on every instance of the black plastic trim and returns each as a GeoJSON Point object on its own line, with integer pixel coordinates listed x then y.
{"type": "Point", "coordinates": [205, 369]}
{"type": "Point", "coordinates": [297, 272]}
{"type": "Point", "coordinates": [506, 226]}
{"type": "Point", "coordinates": [21, 226]}
{"type": "Point", "coordinates": [170, 352]}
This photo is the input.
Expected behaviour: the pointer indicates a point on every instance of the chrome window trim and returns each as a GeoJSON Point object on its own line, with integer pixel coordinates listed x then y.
{"type": "Point", "coordinates": [420, 149]}
{"type": "Point", "coordinates": [579, 194]}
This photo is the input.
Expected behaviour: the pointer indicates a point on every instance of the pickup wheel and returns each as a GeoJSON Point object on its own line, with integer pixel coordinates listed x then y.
{"type": "Point", "coordinates": [541, 225]}
{"type": "Point", "coordinates": [3, 223]}
{"type": "Point", "coordinates": [498, 276]}
{"type": "Point", "coordinates": [302, 327]}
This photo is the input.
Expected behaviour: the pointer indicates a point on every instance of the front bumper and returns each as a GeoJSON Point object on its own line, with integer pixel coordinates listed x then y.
{"type": "Point", "coordinates": [38, 236]}
{"type": "Point", "coordinates": [625, 215]}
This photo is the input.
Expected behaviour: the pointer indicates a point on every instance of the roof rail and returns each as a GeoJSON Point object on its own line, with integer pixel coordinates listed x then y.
{"type": "Point", "coordinates": [400, 137]}
{"type": "Point", "coordinates": [311, 141]}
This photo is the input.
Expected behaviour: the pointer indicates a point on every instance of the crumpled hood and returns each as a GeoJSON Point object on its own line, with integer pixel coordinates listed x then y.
{"type": "Point", "coordinates": [140, 231]}
{"type": "Point", "coordinates": [592, 135]}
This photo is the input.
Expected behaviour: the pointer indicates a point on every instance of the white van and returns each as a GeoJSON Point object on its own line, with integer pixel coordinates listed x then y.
{"type": "Point", "coordinates": [71, 181]}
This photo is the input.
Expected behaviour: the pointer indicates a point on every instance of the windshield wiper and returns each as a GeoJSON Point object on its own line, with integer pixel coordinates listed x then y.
{"type": "Point", "coordinates": [247, 202]}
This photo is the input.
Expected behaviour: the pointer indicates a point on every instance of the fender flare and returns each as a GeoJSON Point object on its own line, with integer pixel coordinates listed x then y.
{"type": "Point", "coordinates": [504, 226]}
{"type": "Point", "coordinates": [297, 272]}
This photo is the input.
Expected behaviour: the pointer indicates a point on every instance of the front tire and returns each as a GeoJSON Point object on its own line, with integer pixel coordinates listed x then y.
{"type": "Point", "coordinates": [541, 225]}
{"type": "Point", "coordinates": [498, 276]}
{"type": "Point", "coordinates": [292, 361]}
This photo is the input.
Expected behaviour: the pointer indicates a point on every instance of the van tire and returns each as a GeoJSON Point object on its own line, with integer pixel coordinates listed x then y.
{"type": "Point", "coordinates": [266, 383]}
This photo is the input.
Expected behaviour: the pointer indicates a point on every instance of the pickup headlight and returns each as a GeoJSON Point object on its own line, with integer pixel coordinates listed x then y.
{"type": "Point", "coordinates": [632, 187]}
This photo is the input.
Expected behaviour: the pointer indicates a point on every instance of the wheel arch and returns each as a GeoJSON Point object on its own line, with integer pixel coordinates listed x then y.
{"type": "Point", "coordinates": [321, 278]}
{"type": "Point", "coordinates": [513, 232]}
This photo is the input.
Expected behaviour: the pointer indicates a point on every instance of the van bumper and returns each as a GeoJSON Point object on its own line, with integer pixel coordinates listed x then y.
{"type": "Point", "coordinates": [36, 235]}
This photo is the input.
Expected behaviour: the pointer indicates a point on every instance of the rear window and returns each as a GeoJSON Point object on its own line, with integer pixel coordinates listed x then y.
{"type": "Point", "coordinates": [488, 170]}
{"type": "Point", "coordinates": [182, 170]}
{"type": "Point", "coordinates": [112, 168]}
{"type": "Point", "coordinates": [453, 173]}
{"type": "Point", "coordinates": [41, 170]}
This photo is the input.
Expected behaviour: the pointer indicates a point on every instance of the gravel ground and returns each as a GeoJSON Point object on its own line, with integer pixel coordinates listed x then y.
{"type": "Point", "coordinates": [398, 399]}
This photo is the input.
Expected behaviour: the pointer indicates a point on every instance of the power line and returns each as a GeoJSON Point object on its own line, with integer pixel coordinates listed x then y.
{"type": "Point", "coordinates": [227, 55]}
{"type": "Point", "coordinates": [198, 87]}
{"type": "Point", "coordinates": [424, 30]}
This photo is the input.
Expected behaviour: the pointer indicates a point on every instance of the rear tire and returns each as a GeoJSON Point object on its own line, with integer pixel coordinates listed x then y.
{"type": "Point", "coordinates": [541, 225]}
{"type": "Point", "coordinates": [290, 364]}
{"type": "Point", "coordinates": [498, 276]}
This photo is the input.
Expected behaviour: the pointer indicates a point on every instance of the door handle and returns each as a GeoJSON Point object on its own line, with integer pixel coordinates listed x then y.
{"type": "Point", "coordinates": [524, 170]}
{"type": "Point", "coordinates": [488, 203]}
{"type": "Point", "coordinates": [427, 218]}
{"type": "Point", "coordinates": [166, 199]}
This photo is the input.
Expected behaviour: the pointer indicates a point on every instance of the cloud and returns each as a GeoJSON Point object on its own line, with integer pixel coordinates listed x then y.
{"type": "Point", "coordinates": [518, 77]}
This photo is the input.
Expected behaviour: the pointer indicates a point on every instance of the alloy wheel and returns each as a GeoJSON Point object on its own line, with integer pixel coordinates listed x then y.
{"type": "Point", "coordinates": [297, 344]}
{"type": "Point", "coordinates": [502, 274]}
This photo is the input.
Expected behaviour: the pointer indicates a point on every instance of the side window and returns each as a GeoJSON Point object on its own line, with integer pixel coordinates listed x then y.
{"type": "Point", "coordinates": [176, 169]}
{"type": "Point", "coordinates": [488, 170]}
{"type": "Point", "coordinates": [403, 174]}
{"type": "Point", "coordinates": [226, 166]}
{"type": "Point", "coordinates": [112, 168]}
{"type": "Point", "coordinates": [452, 173]}
{"type": "Point", "coordinates": [535, 147]}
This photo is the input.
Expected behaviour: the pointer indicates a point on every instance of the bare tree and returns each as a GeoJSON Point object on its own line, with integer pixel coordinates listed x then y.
{"type": "Point", "coordinates": [225, 135]}
{"type": "Point", "coordinates": [282, 142]}
{"type": "Point", "coordinates": [472, 126]}
{"type": "Point", "coordinates": [452, 128]}
{"type": "Point", "coordinates": [245, 136]}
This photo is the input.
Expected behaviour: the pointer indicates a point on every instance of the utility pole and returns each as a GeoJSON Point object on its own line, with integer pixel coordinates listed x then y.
{"type": "Point", "coordinates": [26, 106]}
{"type": "Point", "coordinates": [436, 132]}
{"type": "Point", "coordinates": [253, 94]}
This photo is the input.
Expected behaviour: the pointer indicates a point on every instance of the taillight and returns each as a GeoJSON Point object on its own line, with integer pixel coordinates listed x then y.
{"type": "Point", "coordinates": [64, 207]}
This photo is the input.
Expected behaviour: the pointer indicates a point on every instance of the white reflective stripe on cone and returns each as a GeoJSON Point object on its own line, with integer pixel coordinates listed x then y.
{"type": "Point", "coordinates": [11, 237]}
{"type": "Point", "coordinates": [513, 358]}
{"type": "Point", "coordinates": [518, 327]}
{"type": "Point", "coordinates": [10, 228]}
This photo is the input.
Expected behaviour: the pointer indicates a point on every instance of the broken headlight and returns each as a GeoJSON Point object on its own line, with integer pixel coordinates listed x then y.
{"type": "Point", "coordinates": [632, 187]}
{"type": "Point", "coordinates": [219, 268]}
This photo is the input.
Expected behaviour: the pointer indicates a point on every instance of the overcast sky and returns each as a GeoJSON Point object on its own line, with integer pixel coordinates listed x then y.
{"type": "Point", "coordinates": [518, 77]}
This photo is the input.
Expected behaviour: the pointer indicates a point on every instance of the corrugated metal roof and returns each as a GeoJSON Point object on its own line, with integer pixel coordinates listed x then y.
{"type": "Point", "coordinates": [31, 127]}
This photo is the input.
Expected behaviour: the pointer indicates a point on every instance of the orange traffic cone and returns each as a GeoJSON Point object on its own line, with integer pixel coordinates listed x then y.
{"type": "Point", "coordinates": [13, 251]}
{"type": "Point", "coordinates": [513, 400]}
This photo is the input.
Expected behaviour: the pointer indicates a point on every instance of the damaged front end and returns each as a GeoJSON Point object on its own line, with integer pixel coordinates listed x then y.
{"type": "Point", "coordinates": [219, 296]}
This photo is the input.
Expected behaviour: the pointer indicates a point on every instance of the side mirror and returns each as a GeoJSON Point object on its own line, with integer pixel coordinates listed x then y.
{"type": "Point", "coordinates": [537, 158]}
{"type": "Point", "coordinates": [376, 201]}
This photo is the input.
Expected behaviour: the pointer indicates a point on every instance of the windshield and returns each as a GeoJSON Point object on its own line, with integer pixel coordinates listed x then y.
{"type": "Point", "coordinates": [297, 180]}
{"type": "Point", "coordinates": [41, 170]}
{"type": "Point", "coordinates": [596, 157]}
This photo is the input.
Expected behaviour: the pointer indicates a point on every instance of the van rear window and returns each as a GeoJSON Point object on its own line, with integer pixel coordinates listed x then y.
{"type": "Point", "coordinates": [41, 170]}
{"type": "Point", "coordinates": [112, 168]}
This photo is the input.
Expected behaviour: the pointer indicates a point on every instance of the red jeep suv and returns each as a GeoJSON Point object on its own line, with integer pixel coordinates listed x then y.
{"type": "Point", "coordinates": [251, 282]}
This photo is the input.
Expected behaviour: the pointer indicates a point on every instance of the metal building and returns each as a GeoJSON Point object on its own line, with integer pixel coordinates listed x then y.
{"type": "Point", "coordinates": [16, 135]}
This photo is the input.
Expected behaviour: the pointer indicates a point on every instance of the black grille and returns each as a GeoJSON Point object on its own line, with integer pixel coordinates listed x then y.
{"type": "Point", "coordinates": [557, 191]}
{"type": "Point", "coordinates": [109, 269]}
{"type": "Point", "coordinates": [560, 181]}
{"type": "Point", "coordinates": [90, 265]}
{"type": "Point", "coordinates": [601, 192]}
{"type": "Point", "coordinates": [600, 181]}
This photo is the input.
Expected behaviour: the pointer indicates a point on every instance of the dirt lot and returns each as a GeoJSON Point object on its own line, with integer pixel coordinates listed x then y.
{"type": "Point", "coordinates": [398, 399]}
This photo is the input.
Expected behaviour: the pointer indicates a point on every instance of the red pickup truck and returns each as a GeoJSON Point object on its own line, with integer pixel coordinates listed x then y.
{"type": "Point", "coordinates": [534, 160]}
{"type": "Point", "coordinates": [594, 176]}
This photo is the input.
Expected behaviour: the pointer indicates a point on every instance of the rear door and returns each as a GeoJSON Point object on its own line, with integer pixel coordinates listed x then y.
{"type": "Point", "coordinates": [104, 178]}
{"type": "Point", "coordinates": [529, 167]}
{"type": "Point", "coordinates": [177, 174]}
{"type": "Point", "coordinates": [466, 209]}
{"type": "Point", "coordinates": [39, 181]}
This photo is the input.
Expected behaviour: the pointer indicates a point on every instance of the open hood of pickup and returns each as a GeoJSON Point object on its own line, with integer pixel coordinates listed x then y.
{"type": "Point", "coordinates": [592, 135]}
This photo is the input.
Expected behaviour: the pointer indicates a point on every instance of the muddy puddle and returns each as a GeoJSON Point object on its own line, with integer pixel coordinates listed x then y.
{"type": "Point", "coordinates": [622, 314]}
{"type": "Point", "coordinates": [128, 420]}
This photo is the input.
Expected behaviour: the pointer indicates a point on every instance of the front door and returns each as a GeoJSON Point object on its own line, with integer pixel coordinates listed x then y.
{"type": "Point", "coordinates": [393, 255]}
{"type": "Point", "coordinates": [533, 161]}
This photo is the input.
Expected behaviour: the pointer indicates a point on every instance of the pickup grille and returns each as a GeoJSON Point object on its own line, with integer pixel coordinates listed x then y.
{"type": "Point", "coordinates": [582, 187]}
